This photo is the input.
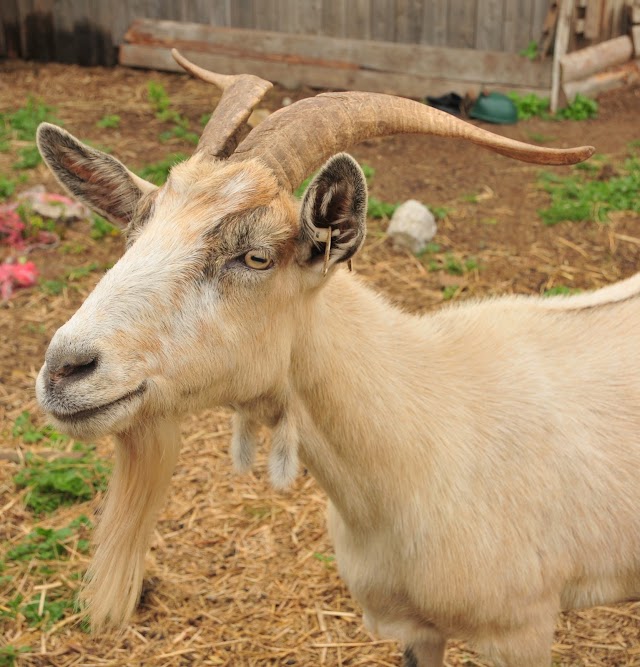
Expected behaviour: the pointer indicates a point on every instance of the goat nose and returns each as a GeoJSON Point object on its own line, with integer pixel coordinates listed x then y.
{"type": "Point", "coordinates": [70, 364]}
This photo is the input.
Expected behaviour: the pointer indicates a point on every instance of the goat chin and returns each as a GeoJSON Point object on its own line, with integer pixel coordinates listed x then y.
{"type": "Point", "coordinates": [146, 456]}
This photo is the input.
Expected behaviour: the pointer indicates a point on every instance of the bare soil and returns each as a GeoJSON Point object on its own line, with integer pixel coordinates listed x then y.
{"type": "Point", "coordinates": [239, 574]}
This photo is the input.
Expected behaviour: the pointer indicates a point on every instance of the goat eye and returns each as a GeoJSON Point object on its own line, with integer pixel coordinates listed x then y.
{"type": "Point", "coordinates": [256, 260]}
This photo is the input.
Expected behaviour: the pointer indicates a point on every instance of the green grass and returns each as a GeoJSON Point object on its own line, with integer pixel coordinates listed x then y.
{"type": "Point", "coordinates": [9, 654]}
{"type": "Point", "coordinates": [28, 158]}
{"type": "Point", "coordinates": [101, 228]}
{"type": "Point", "coordinates": [7, 186]}
{"type": "Point", "coordinates": [560, 290]}
{"type": "Point", "coordinates": [23, 123]}
{"type": "Point", "coordinates": [49, 543]}
{"type": "Point", "coordinates": [158, 172]}
{"type": "Point", "coordinates": [161, 105]}
{"type": "Point", "coordinates": [378, 209]}
{"type": "Point", "coordinates": [60, 481]}
{"type": "Point", "coordinates": [530, 51]}
{"type": "Point", "coordinates": [449, 292]}
{"type": "Point", "coordinates": [582, 196]}
{"type": "Point", "coordinates": [531, 105]}
{"type": "Point", "coordinates": [110, 121]}
{"type": "Point", "coordinates": [52, 287]}
{"type": "Point", "coordinates": [28, 432]}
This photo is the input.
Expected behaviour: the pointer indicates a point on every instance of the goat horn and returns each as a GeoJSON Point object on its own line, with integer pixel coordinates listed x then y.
{"type": "Point", "coordinates": [295, 140]}
{"type": "Point", "coordinates": [240, 94]}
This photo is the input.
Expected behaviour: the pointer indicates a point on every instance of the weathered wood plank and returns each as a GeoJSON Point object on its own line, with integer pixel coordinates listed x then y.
{"type": "Point", "coordinates": [333, 18]}
{"type": "Point", "coordinates": [488, 66]}
{"type": "Point", "coordinates": [409, 16]}
{"type": "Point", "coordinates": [357, 22]}
{"type": "Point", "coordinates": [382, 20]}
{"type": "Point", "coordinates": [489, 25]}
{"type": "Point", "coordinates": [593, 18]}
{"type": "Point", "coordinates": [461, 22]}
{"type": "Point", "coordinates": [562, 40]}
{"type": "Point", "coordinates": [435, 23]}
{"type": "Point", "coordinates": [585, 62]}
{"type": "Point", "coordinates": [309, 16]}
{"type": "Point", "coordinates": [294, 75]}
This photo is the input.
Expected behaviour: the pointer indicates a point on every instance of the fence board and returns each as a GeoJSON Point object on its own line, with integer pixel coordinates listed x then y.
{"type": "Point", "coordinates": [382, 18]}
{"type": "Point", "coordinates": [293, 75]}
{"type": "Point", "coordinates": [435, 23]}
{"type": "Point", "coordinates": [489, 24]}
{"type": "Point", "coordinates": [461, 20]}
{"type": "Point", "coordinates": [358, 19]}
{"type": "Point", "coordinates": [344, 56]}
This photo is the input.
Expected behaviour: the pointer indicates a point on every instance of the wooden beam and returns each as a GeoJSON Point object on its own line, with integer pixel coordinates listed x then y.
{"type": "Point", "coordinates": [563, 32]}
{"type": "Point", "coordinates": [585, 62]}
{"type": "Point", "coordinates": [598, 83]}
{"type": "Point", "coordinates": [245, 49]}
{"type": "Point", "coordinates": [317, 75]}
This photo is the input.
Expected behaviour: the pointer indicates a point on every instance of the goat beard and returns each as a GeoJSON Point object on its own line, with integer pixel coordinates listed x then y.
{"type": "Point", "coordinates": [146, 456]}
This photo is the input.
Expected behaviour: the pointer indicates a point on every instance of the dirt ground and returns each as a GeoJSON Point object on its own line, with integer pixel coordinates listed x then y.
{"type": "Point", "coordinates": [239, 574]}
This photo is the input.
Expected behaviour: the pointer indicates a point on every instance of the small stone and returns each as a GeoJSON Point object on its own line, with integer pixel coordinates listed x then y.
{"type": "Point", "coordinates": [412, 226]}
{"type": "Point", "coordinates": [286, 101]}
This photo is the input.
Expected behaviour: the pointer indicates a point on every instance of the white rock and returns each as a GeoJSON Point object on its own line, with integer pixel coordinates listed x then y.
{"type": "Point", "coordinates": [412, 226]}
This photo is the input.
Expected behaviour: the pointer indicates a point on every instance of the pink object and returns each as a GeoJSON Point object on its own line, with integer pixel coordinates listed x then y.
{"type": "Point", "coordinates": [11, 227]}
{"type": "Point", "coordinates": [16, 275]}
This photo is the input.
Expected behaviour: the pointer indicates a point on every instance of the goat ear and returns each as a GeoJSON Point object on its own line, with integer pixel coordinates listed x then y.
{"type": "Point", "coordinates": [93, 177]}
{"type": "Point", "coordinates": [335, 204]}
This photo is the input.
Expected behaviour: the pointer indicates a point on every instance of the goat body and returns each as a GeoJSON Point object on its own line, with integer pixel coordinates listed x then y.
{"type": "Point", "coordinates": [481, 463]}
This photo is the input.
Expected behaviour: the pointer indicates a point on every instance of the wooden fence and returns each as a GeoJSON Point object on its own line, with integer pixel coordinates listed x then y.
{"type": "Point", "coordinates": [88, 31]}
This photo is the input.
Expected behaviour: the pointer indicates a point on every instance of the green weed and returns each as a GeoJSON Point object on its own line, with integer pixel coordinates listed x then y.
{"type": "Point", "coordinates": [61, 481]}
{"type": "Point", "coordinates": [158, 172]}
{"type": "Point", "coordinates": [161, 104]}
{"type": "Point", "coordinates": [531, 105]}
{"type": "Point", "coordinates": [109, 122]}
{"type": "Point", "coordinates": [7, 186]}
{"type": "Point", "coordinates": [23, 123]}
{"type": "Point", "coordinates": [9, 654]}
{"type": "Point", "coordinates": [584, 197]}
{"type": "Point", "coordinates": [439, 212]}
{"type": "Point", "coordinates": [101, 228]}
{"type": "Point", "coordinates": [28, 158]}
{"type": "Point", "coordinates": [530, 51]}
{"type": "Point", "coordinates": [83, 271]}
{"type": "Point", "coordinates": [53, 287]}
{"type": "Point", "coordinates": [582, 108]}
{"type": "Point", "coordinates": [449, 292]}
{"type": "Point", "coordinates": [50, 543]}
{"type": "Point", "coordinates": [327, 559]}
{"type": "Point", "coordinates": [540, 138]}
{"type": "Point", "coordinates": [378, 209]}
{"type": "Point", "coordinates": [557, 290]}
{"type": "Point", "coordinates": [28, 432]}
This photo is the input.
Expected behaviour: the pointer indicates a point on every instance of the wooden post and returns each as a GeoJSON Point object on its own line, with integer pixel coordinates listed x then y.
{"type": "Point", "coordinates": [563, 32]}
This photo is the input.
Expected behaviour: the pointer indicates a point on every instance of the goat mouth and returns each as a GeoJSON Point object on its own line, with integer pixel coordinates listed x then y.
{"type": "Point", "coordinates": [87, 413]}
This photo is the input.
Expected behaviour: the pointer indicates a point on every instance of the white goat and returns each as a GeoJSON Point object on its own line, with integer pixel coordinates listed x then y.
{"type": "Point", "coordinates": [481, 463]}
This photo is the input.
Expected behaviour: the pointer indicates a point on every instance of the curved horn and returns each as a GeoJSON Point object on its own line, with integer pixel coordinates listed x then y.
{"type": "Point", "coordinates": [239, 95]}
{"type": "Point", "coordinates": [295, 140]}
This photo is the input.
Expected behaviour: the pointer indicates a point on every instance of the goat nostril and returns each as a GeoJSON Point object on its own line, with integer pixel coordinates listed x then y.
{"type": "Point", "coordinates": [74, 370]}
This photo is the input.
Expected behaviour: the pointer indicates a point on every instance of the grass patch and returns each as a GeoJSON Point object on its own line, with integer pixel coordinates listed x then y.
{"type": "Point", "coordinates": [583, 196]}
{"type": "Point", "coordinates": [161, 105]}
{"type": "Point", "coordinates": [53, 287]}
{"type": "Point", "coordinates": [60, 481]}
{"type": "Point", "coordinates": [111, 121]}
{"type": "Point", "coordinates": [379, 209]}
{"type": "Point", "coordinates": [50, 543]}
{"type": "Point", "coordinates": [28, 158]}
{"type": "Point", "coordinates": [560, 290]}
{"type": "Point", "coordinates": [101, 228]}
{"type": "Point", "coordinates": [23, 123]}
{"type": "Point", "coordinates": [531, 105]}
{"type": "Point", "coordinates": [28, 432]}
{"type": "Point", "coordinates": [449, 292]}
{"type": "Point", "coordinates": [158, 172]}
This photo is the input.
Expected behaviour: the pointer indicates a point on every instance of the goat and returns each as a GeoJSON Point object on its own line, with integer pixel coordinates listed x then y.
{"type": "Point", "coordinates": [482, 472]}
